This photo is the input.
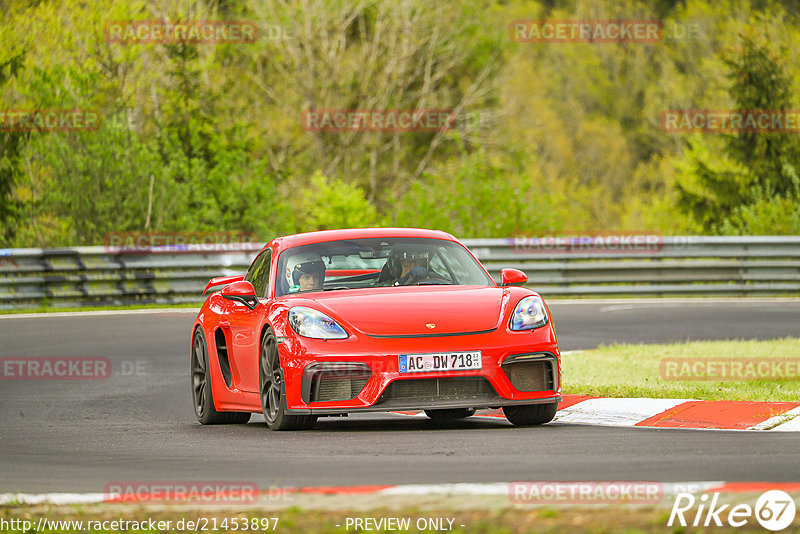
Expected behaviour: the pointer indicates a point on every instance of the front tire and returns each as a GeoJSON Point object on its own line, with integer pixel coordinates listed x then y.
{"type": "Point", "coordinates": [272, 389]}
{"type": "Point", "coordinates": [202, 394]}
{"type": "Point", "coordinates": [530, 414]}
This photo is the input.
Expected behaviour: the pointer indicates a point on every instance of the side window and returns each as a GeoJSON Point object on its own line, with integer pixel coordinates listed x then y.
{"type": "Point", "coordinates": [258, 275]}
{"type": "Point", "coordinates": [254, 268]}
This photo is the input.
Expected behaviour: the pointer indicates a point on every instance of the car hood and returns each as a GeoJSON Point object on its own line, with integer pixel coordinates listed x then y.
{"type": "Point", "coordinates": [417, 310]}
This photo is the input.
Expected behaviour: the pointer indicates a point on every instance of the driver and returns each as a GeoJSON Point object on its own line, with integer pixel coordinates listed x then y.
{"type": "Point", "coordinates": [305, 272]}
{"type": "Point", "coordinates": [407, 266]}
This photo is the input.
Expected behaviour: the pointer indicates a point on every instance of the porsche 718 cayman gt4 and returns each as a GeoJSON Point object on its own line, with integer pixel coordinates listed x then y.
{"type": "Point", "coordinates": [346, 321]}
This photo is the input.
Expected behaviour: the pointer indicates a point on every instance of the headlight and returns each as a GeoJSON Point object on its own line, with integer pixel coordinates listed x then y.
{"type": "Point", "coordinates": [529, 314]}
{"type": "Point", "coordinates": [312, 323]}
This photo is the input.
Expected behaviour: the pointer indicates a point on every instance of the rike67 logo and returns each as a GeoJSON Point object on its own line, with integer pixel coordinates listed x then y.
{"type": "Point", "coordinates": [774, 510]}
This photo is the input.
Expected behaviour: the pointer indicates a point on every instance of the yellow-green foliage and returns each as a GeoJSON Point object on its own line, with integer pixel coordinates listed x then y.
{"type": "Point", "coordinates": [548, 137]}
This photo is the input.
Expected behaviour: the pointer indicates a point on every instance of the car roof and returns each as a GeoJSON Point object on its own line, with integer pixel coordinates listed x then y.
{"type": "Point", "coordinates": [356, 233]}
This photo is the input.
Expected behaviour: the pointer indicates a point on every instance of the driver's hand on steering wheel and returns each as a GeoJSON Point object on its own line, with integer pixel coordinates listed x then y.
{"type": "Point", "coordinates": [413, 276]}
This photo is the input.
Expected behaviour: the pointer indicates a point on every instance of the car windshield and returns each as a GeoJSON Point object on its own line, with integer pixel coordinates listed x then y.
{"type": "Point", "coordinates": [384, 262]}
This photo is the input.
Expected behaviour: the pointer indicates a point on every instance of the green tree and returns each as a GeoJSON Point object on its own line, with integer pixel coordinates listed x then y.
{"type": "Point", "coordinates": [476, 196]}
{"type": "Point", "coordinates": [760, 81]}
{"type": "Point", "coordinates": [726, 190]}
{"type": "Point", "coordinates": [710, 183]}
{"type": "Point", "coordinates": [329, 203]}
{"type": "Point", "coordinates": [11, 147]}
{"type": "Point", "coordinates": [98, 182]}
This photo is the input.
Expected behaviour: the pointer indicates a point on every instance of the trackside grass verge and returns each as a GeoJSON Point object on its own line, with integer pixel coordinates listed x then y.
{"type": "Point", "coordinates": [599, 520]}
{"type": "Point", "coordinates": [671, 371]}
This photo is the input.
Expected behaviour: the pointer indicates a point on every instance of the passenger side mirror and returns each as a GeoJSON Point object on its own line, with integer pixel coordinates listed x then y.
{"type": "Point", "coordinates": [242, 291]}
{"type": "Point", "coordinates": [512, 277]}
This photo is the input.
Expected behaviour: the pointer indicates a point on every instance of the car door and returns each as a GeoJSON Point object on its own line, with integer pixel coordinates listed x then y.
{"type": "Point", "coordinates": [244, 325]}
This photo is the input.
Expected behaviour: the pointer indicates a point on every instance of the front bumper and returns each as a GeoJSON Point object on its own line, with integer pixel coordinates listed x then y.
{"type": "Point", "coordinates": [361, 373]}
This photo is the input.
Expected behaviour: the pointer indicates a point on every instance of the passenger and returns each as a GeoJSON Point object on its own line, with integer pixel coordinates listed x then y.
{"type": "Point", "coordinates": [405, 266]}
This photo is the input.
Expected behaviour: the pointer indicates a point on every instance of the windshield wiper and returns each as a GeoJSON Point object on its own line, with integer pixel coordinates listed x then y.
{"type": "Point", "coordinates": [336, 288]}
{"type": "Point", "coordinates": [434, 283]}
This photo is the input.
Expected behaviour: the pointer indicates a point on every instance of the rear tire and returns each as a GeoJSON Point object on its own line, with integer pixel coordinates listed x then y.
{"type": "Point", "coordinates": [530, 414]}
{"type": "Point", "coordinates": [450, 414]}
{"type": "Point", "coordinates": [272, 390]}
{"type": "Point", "coordinates": [202, 393]}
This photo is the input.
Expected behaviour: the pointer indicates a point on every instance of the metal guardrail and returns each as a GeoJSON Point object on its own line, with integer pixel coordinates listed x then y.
{"type": "Point", "coordinates": [570, 267]}
{"type": "Point", "coordinates": [657, 266]}
{"type": "Point", "coordinates": [86, 276]}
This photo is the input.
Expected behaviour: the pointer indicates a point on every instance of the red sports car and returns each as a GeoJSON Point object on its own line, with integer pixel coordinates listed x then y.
{"type": "Point", "coordinates": [380, 319]}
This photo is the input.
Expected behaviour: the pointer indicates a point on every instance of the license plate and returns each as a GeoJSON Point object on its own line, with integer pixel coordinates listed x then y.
{"type": "Point", "coordinates": [445, 361]}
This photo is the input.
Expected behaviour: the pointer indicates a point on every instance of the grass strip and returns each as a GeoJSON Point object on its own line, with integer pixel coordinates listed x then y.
{"type": "Point", "coordinates": [744, 370]}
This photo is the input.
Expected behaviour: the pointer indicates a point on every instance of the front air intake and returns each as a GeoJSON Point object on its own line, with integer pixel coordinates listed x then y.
{"type": "Point", "coordinates": [331, 387]}
{"type": "Point", "coordinates": [325, 382]}
{"type": "Point", "coordinates": [531, 372]}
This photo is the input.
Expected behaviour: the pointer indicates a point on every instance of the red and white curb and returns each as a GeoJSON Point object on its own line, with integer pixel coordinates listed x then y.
{"type": "Point", "coordinates": [681, 413]}
{"type": "Point", "coordinates": [671, 413]}
{"type": "Point", "coordinates": [590, 492]}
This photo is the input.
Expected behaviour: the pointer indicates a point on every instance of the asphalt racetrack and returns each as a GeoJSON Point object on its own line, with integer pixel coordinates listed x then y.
{"type": "Point", "coordinates": [138, 425]}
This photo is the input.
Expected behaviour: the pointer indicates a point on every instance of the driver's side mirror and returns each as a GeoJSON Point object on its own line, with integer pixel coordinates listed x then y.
{"type": "Point", "coordinates": [512, 277]}
{"type": "Point", "coordinates": [241, 291]}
